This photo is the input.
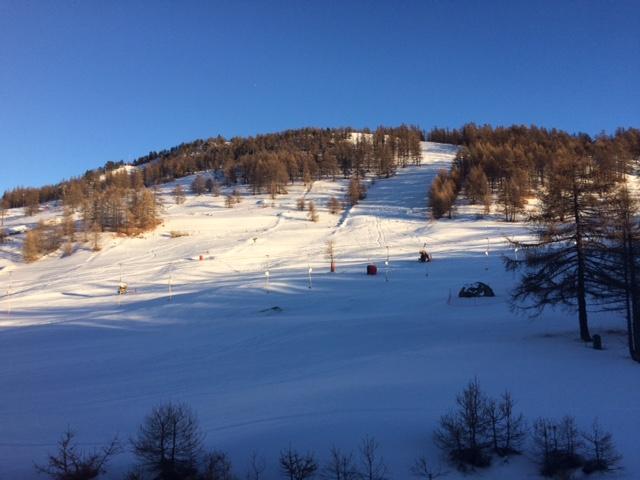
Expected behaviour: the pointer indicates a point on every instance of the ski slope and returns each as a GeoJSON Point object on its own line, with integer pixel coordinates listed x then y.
{"type": "Point", "coordinates": [350, 356]}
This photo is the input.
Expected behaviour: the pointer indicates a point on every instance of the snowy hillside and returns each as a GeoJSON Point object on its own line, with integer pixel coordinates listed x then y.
{"type": "Point", "coordinates": [343, 355]}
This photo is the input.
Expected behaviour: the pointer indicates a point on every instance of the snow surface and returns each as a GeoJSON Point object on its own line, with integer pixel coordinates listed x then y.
{"type": "Point", "coordinates": [351, 356]}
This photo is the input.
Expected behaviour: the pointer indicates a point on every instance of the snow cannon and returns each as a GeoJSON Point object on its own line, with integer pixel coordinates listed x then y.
{"type": "Point", "coordinates": [372, 269]}
{"type": "Point", "coordinates": [424, 256]}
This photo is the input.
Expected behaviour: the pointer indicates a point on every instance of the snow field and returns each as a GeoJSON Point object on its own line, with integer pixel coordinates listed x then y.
{"type": "Point", "coordinates": [353, 355]}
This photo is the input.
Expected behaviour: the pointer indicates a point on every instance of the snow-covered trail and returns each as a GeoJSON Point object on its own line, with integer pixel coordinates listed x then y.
{"type": "Point", "coordinates": [394, 211]}
{"type": "Point", "coordinates": [354, 355]}
{"type": "Point", "coordinates": [244, 239]}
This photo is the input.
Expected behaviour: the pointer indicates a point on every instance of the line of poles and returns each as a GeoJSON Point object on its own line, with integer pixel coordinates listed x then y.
{"type": "Point", "coordinates": [267, 274]}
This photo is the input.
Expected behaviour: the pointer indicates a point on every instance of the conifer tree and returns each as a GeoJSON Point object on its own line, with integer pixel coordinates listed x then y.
{"type": "Point", "coordinates": [442, 195]}
{"type": "Point", "coordinates": [477, 186]}
{"type": "Point", "coordinates": [178, 194]}
{"type": "Point", "coordinates": [199, 185]}
{"type": "Point", "coordinates": [619, 262]}
{"type": "Point", "coordinates": [560, 269]}
{"type": "Point", "coordinates": [4, 206]}
{"type": "Point", "coordinates": [312, 212]}
{"type": "Point", "coordinates": [32, 245]}
{"type": "Point", "coordinates": [334, 206]}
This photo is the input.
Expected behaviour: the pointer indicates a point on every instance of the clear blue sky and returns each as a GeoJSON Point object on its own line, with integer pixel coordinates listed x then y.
{"type": "Point", "coordinates": [83, 82]}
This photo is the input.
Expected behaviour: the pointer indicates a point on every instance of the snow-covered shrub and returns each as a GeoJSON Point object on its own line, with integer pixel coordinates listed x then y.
{"type": "Point", "coordinates": [479, 427]}
{"type": "Point", "coordinates": [601, 453]}
{"type": "Point", "coordinates": [169, 442]}
{"type": "Point", "coordinates": [313, 213]}
{"type": "Point", "coordinates": [217, 466]}
{"type": "Point", "coordinates": [334, 206]}
{"type": "Point", "coordinates": [463, 435]}
{"type": "Point", "coordinates": [296, 466]}
{"type": "Point", "coordinates": [340, 466]}
{"type": "Point", "coordinates": [71, 462]}
{"type": "Point", "coordinates": [372, 466]}
{"type": "Point", "coordinates": [507, 429]}
{"type": "Point", "coordinates": [557, 446]}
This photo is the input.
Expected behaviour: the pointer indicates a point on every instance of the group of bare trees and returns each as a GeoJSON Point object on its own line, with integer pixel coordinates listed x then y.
{"type": "Point", "coordinates": [120, 200]}
{"type": "Point", "coordinates": [41, 240]}
{"type": "Point", "coordinates": [586, 221]}
{"type": "Point", "coordinates": [512, 162]}
{"type": "Point", "coordinates": [267, 163]}
{"type": "Point", "coordinates": [443, 193]}
{"type": "Point", "coordinates": [480, 427]}
{"type": "Point", "coordinates": [117, 203]}
{"type": "Point", "coordinates": [169, 445]}
{"type": "Point", "coordinates": [586, 254]}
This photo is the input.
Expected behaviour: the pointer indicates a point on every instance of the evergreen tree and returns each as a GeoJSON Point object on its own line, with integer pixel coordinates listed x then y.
{"type": "Point", "coordinates": [32, 245]}
{"type": "Point", "coordinates": [442, 195]}
{"type": "Point", "coordinates": [477, 186]}
{"type": "Point", "coordinates": [312, 212]}
{"type": "Point", "coordinates": [199, 185]}
{"type": "Point", "coordinates": [334, 206]}
{"type": "Point", "coordinates": [178, 194]}
{"type": "Point", "coordinates": [560, 269]}
{"type": "Point", "coordinates": [619, 262]}
{"type": "Point", "coordinates": [169, 442]}
{"type": "Point", "coordinates": [4, 206]}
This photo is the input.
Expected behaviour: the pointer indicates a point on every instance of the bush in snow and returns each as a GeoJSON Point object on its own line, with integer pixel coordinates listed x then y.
{"type": "Point", "coordinates": [340, 466]}
{"type": "Point", "coordinates": [169, 442]}
{"type": "Point", "coordinates": [212, 186]}
{"type": "Point", "coordinates": [296, 466]}
{"type": "Point", "coordinates": [178, 194]}
{"type": "Point", "coordinates": [217, 466]}
{"type": "Point", "coordinates": [199, 185]}
{"type": "Point", "coordinates": [479, 427]}
{"type": "Point", "coordinates": [356, 191]}
{"type": "Point", "coordinates": [334, 206]}
{"type": "Point", "coordinates": [507, 430]}
{"type": "Point", "coordinates": [313, 213]}
{"type": "Point", "coordinates": [41, 240]}
{"type": "Point", "coordinates": [422, 469]}
{"type": "Point", "coordinates": [463, 435]}
{"type": "Point", "coordinates": [557, 446]}
{"type": "Point", "coordinates": [257, 466]}
{"type": "Point", "coordinates": [71, 463]}
{"type": "Point", "coordinates": [372, 466]}
{"type": "Point", "coordinates": [601, 454]}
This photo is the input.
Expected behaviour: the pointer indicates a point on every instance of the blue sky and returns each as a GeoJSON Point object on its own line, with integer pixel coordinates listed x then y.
{"type": "Point", "coordinates": [83, 82]}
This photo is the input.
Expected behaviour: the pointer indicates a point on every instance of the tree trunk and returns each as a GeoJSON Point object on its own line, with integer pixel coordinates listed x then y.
{"type": "Point", "coordinates": [585, 336]}
{"type": "Point", "coordinates": [634, 321]}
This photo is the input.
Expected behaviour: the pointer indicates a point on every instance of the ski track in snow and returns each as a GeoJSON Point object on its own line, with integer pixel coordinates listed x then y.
{"type": "Point", "coordinates": [354, 355]}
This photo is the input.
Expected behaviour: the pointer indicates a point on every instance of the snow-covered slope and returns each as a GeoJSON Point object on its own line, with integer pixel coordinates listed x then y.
{"type": "Point", "coordinates": [350, 356]}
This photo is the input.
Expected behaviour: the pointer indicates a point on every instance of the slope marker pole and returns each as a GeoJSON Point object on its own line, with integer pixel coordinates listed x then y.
{"type": "Point", "coordinates": [386, 266]}
{"type": "Point", "coordinates": [120, 285]}
{"type": "Point", "coordinates": [486, 253]}
{"type": "Point", "coordinates": [170, 279]}
{"type": "Point", "coordinates": [9, 288]}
